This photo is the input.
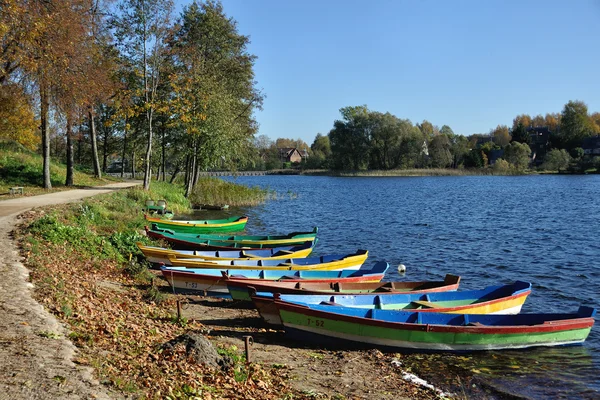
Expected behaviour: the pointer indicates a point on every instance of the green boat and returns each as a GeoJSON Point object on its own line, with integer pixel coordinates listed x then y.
{"type": "Point", "coordinates": [395, 330]}
{"type": "Point", "coordinates": [190, 241]}
{"type": "Point", "coordinates": [231, 224]}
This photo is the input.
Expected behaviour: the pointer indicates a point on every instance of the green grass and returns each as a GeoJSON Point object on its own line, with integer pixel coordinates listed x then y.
{"type": "Point", "coordinates": [107, 226]}
{"type": "Point", "coordinates": [216, 191]}
{"type": "Point", "coordinates": [20, 166]}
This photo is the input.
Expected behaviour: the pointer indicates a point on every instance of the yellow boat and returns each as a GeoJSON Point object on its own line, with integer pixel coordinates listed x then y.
{"type": "Point", "coordinates": [160, 255]}
{"type": "Point", "coordinates": [323, 263]}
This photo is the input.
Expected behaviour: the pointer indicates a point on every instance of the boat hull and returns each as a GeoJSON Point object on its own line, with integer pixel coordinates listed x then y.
{"type": "Point", "coordinates": [214, 282]}
{"type": "Point", "coordinates": [505, 299]}
{"type": "Point", "coordinates": [323, 263]}
{"type": "Point", "coordinates": [191, 241]}
{"type": "Point", "coordinates": [232, 224]}
{"type": "Point", "coordinates": [239, 289]}
{"type": "Point", "coordinates": [159, 255]}
{"type": "Point", "coordinates": [310, 323]}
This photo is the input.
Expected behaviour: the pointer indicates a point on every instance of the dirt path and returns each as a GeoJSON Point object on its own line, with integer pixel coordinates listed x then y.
{"type": "Point", "coordinates": [36, 356]}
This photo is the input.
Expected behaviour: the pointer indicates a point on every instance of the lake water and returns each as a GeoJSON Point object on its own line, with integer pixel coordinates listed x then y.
{"type": "Point", "coordinates": [489, 230]}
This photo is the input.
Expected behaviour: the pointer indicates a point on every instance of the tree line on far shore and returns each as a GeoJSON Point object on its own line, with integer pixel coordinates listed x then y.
{"type": "Point", "coordinates": [369, 140]}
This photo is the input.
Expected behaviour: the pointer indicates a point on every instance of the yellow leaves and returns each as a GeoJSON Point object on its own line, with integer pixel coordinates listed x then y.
{"type": "Point", "coordinates": [17, 120]}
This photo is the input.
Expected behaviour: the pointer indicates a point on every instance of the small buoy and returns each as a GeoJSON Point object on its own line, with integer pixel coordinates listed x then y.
{"type": "Point", "coordinates": [402, 268]}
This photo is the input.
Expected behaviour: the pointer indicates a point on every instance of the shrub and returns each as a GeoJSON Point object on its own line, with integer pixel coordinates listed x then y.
{"type": "Point", "coordinates": [501, 166]}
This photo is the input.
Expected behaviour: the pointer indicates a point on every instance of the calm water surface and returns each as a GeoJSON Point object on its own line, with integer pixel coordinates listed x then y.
{"type": "Point", "coordinates": [489, 230]}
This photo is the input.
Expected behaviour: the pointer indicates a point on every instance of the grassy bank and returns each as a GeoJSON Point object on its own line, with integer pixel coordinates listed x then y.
{"type": "Point", "coordinates": [216, 191]}
{"type": "Point", "coordinates": [81, 262]}
{"type": "Point", "coordinates": [20, 166]}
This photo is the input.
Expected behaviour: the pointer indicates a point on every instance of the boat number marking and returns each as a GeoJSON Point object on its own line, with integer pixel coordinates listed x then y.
{"type": "Point", "coordinates": [192, 285]}
{"type": "Point", "coordinates": [315, 322]}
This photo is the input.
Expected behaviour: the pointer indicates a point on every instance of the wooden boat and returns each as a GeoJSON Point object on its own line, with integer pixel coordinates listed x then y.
{"type": "Point", "coordinates": [205, 241]}
{"type": "Point", "coordinates": [432, 331]}
{"type": "Point", "coordinates": [504, 299]}
{"type": "Point", "coordinates": [238, 288]}
{"type": "Point", "coordinates": [213, 282]}
{"type": "Point", "coordinates": [160, 255]}
{"type": "Point", "coordinates": [199, 226]}
{"type": "Point", "coordinates": [328, 262]}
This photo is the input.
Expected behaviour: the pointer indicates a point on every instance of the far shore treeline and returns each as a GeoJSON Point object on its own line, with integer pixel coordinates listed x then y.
{"type": "Point", "coordinates": [368, 140]}
{"type": "Point", "coordinates": [127, 87]}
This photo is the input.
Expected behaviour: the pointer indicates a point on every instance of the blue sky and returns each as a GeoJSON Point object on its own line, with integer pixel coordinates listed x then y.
{"type": "Point", "coordinates": [468, 64]}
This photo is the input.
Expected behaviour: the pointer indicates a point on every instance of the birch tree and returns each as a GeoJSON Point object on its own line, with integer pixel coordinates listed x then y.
{"type": "Point", "coordinates": [141, 29]}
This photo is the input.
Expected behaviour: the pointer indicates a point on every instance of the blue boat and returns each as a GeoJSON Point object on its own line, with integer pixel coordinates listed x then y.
{"type": "Point", "coordinates": [213, 282]}
{"type": "Point", "coordinates": [500, 299]}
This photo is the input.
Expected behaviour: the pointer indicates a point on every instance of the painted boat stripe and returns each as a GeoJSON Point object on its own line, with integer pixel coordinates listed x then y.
{"type": "Point", "coordinates": [421, 345]}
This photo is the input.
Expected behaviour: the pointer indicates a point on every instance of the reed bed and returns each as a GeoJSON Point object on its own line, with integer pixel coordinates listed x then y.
{"type": "Point", "coordinates": [216, 191]}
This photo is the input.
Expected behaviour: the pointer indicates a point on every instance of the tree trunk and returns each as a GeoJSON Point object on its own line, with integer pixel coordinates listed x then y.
{"type": "Point", "coordinates": [105, 149]}
{"type": "Point", "coordinates": [124, 150]}
{"type": "Point", "coordinates": [44, 106]}
{"type": "Point", "coordinates": [197, 173]}
{"type": "Point", "coordinates": [79, 140]}
{"type": "Point", "coordinates": [191, 173]}
{"type": "Point", "coordinates": [148, 172]}
{"type": "Point", "coordinates": [187, 170]}
{"type": "Point", "coordinates": [133, 165]}
{"type": "Point", "coordinates": [164, 155]}
{"type": "Point", "coordinates": [70, 161]}
{"type": "Point", "coordinates": [95, 160]}
{"type": "Point", "coordinates": [177, 170]}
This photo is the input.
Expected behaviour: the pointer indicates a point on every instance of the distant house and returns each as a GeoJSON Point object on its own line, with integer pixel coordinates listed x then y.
{"type": "Point", "coordinates": [591, 146]}
{"type": "Point", "coordinates": [290, 154]}
{"type": "Point", "coordinates": [540, 143]}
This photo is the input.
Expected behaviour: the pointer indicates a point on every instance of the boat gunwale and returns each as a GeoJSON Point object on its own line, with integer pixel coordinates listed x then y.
{"type": "Point", "coordinates": [559, 325]}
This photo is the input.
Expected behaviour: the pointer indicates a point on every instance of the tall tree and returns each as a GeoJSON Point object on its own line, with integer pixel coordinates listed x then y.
{"type": "Point", "coordinates": [523, 119]}
{"type": "Point", "coordinates": [575, 125]}
{"type": "Point", "coordinates": [282, 143]}
{"type": "Point", "coordinates": [538, 121]}
{"type": "Point", "coordinates": [213, 85]}
{"type": "Point", "coordinates": [439, 151]}
{"type": "Point", "coordinates": [501, 135]}
{"type": "Point", "coordinates": [427, 129]}
{"type": "Point", "coordinates": [552, 121]}
{"type": "Point", "coordinates": [321, 145]}
{"type": "Point", "coordinates": [446, 130]}
{"type": "Point", "coordinates": [595, 118]}
{"type": "Point", "coordinates": [520, 134]}
{"type": "Point", "coordinates": [141, 28]}
{"type": "Point", "coordinates": [459, 147]}
{"type": "Point", "coordinates": [87, 56]}
{"type": "Point", "coordinates": [350, 138]}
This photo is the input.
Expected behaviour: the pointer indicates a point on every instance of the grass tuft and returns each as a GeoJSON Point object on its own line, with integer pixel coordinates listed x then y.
{"type": "Point", "coordinates": [216, 191]}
